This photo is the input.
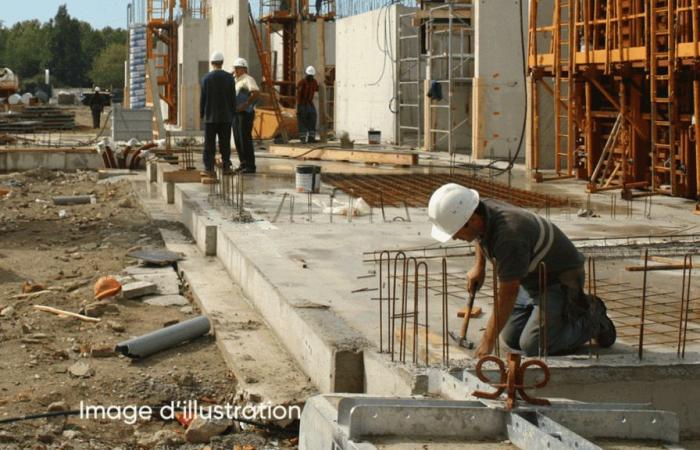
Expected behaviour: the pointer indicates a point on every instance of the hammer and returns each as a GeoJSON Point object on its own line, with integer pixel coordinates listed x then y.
{"type": "Point", "coordinates": [462, 338]}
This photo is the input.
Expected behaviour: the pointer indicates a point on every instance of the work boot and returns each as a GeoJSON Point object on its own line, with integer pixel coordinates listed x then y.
{"type": "Point", "coordinates": [603, 328]}
{"type": "Point", "coordinates": [302, 140]}
{"type": "Point", "coordinates": [311, 140]}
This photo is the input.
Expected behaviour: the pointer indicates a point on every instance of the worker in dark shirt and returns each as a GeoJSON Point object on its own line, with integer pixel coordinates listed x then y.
{"type": "Point", "coordinates": [216, 108]}
{"type": "Point", "coordinates": [306, 111]}
{"type": "Point", "coordinates": [96, 104]}
{"type": "Point", "coordinates": [517, 241]}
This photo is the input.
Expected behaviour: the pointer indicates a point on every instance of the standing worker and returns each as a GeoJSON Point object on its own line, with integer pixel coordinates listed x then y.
{"type": "Point", "coordinates": [517, 241]}
{"type": "Point", "coordinates": [216, 110]}
{"type": "Point", "coordinates": [306, 111]}
{"type": "Point", "coordinates": [96, 104]}
{"type": "Point", "coordinates": [247, 93]}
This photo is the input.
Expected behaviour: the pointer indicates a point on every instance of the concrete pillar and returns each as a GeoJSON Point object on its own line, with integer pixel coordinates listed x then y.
{"type": "Point", "coordinates": [499, 92]}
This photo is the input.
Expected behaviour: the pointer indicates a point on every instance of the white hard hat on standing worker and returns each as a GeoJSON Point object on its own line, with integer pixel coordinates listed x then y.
{"type": "Point", "coordinates": [450, 207]}
{"type": "Point", "coordinates": [311, 71]}
{"type": "Point", "coordinates": [240, 62]}
{"type": "Point", "coordinates": [217, 57]}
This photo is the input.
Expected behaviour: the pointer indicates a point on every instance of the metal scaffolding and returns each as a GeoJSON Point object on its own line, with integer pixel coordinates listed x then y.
{"type": "Point", "coordinates": [624, 80]}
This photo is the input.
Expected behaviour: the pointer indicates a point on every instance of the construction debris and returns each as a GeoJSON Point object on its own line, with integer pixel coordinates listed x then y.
{"type": "Point", "coordinates": [31, 119]}
{"type": "Point", "coordinates": [63, 313]}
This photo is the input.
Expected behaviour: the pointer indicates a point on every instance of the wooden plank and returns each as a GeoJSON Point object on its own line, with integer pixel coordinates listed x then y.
{"type": "Point", "coordinates": [182, 176]}
{"type": "Point", "coordinates": [340, 154]}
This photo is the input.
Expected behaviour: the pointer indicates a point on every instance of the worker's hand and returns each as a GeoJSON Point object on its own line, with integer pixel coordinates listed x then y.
{"type": "Point", "coordinates": [484, 348]}
{"type": "Point", "coordinates": [242, 108]}
{"type": "Point", "coordinates": [475, 279]}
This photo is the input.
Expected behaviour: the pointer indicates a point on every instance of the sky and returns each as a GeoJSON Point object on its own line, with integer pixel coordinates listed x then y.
{"type": "Point", "coordinates": [98, 13]}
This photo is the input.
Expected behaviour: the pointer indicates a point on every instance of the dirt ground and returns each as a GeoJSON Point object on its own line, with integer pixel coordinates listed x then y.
{"type": "Point", "coordinates": [66, 252]}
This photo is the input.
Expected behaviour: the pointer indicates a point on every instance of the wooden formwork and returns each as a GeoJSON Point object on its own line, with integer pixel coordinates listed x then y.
{"type": "Point", "coordinates": [624, 79]}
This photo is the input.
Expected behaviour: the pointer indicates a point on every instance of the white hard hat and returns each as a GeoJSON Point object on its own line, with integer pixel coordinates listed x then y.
{"type": "Point", "coordinates": [450, 207]}
{"type": "Point", "coordinates": [97, 89]}
{"type": "Point", "coordinates": [311, 71]}
{"type": "Point", "coordinates": [217, 57]}
{"type": "Point", "coordinates": [240, 62]}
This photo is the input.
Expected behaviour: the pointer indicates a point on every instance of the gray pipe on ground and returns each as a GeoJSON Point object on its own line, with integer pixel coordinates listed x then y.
{"type": "Point", "coordinates": [167, 337]}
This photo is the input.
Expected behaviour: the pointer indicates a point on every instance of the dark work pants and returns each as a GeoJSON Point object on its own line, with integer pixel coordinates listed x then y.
{"type": "Point", "coordinates": [306, 119]}
{"type": "Point", "coordinates": [96, 113]}
{"type": "Point", "coordinates": [565, 334]}
{"type": "Point", "coordinates": [243, 138]}
{"type": "Point", "coordinates": [211, 131]}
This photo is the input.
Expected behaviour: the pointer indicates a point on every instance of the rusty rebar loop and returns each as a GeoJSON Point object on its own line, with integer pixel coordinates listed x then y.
{"type": "Point", "coordinates": [381, 291]}
{"type": "Point", "coordinates": [685, 300]}
{"type": "Point", "coordinates": [644, 302]}
{"type": "Point", "coordinates": [543, 324]}
{"type": "Point", "coordinates": [392, 309]}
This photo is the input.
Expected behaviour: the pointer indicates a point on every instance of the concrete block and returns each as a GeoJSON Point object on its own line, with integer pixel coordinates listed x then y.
{"type": "Point", "coordinates": [168, 283]}
{"type": "Point", "coordinates": [210, 232]}
{"type": "Point", "coordinates": [138, 289]}
{"type": "Point", "coordinates": [166, 300]}
{"type": "Point", "coordinates": [151, 171]}
{"type": "Point", "coordinates": [168, 192]}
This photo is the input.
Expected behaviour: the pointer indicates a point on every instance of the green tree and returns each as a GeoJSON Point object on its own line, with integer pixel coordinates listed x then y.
{"type": "Point", "coordinates": [24, 48]}
{"type": "Point", "coordinates": [108, 68]}
{"type": "Point", "coordinates": [66, 60]}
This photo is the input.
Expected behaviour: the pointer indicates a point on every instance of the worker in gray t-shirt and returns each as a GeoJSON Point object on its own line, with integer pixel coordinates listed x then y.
{"type": "Point", "coordinates": [522, 245]}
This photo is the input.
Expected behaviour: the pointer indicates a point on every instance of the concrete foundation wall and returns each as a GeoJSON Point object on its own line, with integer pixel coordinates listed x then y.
{"type": "Point", "coordinates": [499, 94]}
{"type": "Point", "coordinates": [12, 161]}
{"type": "Point", "coordinates": [365, 74]}
{"type": "Point", "coordinates": [193, 64]}
{"type": "Point", "coordinates": [131, 123]}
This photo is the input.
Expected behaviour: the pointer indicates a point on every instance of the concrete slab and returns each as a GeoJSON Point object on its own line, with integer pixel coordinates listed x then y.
{"type": "Point", "coordinates": [263, 370]}
{"type": "Point", "coordinates": [166, 300]}
{"type": "Point", "coordinates": [330, 304]}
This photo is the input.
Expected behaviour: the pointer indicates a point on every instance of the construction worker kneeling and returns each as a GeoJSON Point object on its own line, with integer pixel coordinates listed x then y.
{"type": "Point", "coordinates": [528, 251]}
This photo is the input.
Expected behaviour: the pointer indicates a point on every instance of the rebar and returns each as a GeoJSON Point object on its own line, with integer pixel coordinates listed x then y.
{"type": "Point", "coordinates": [496, 310]}
{"type": "Point", "coordinates": [644, 302]}
{"type": "Point", "coordinates": [543, 350]}
{"type": "Point", "coordinates": [416, 189]}
{"type": "Point", "coordinates": [279, 208]}
{"type": "Point", "coordinates": [392, 309]}
{"type": "Point", "coordinates": [685, 304]}
{"type": "Point", "coordinates": [445, 317]}
{"type": "Point", "coordinates": [381, 290]}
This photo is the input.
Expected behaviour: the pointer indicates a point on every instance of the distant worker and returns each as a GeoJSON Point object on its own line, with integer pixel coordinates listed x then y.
{"type": "Point", "coordinates": [247, 93]}
{"type": "Point", "coordinates": [306, 111]}
{"type": "Point", "coordinates": [517, 241]}
{"type": "Point", "coordinates": [97, 104]}
{"type": "Point", "coordinates": [216, 108]}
